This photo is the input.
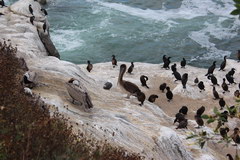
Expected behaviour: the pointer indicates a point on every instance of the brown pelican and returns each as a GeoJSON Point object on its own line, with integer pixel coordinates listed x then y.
{"type": "Point", "coordinates": [126, 86]}
{"type": "Point", "coordinates": [78, 93]}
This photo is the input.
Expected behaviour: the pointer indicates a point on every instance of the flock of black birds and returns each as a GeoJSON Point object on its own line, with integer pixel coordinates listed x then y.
{"type": "Point", "coordinates": [184, 77]}
{"type": "Point", "coordinates": [32, 18]}
{"type": "Point", "coordinates": [180, 116]}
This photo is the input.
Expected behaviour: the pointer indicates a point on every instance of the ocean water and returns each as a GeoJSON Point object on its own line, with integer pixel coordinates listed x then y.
{"type": "Point", "coordinates": [144, 30]}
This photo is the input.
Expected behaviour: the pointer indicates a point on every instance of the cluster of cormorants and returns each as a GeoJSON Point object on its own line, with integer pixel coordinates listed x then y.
{"type": "Point", "coordinates": [178, 77]}
{"type": "Point", "coordinates": [32, 18]}
{"type": "Point", "coordinates": [132, 89]}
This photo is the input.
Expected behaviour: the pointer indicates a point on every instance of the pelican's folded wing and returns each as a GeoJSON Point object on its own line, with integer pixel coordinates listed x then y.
{"type": "Point", "coordinates": [88, 101]}
{"type": "Point", "coordinates": [79, 94]}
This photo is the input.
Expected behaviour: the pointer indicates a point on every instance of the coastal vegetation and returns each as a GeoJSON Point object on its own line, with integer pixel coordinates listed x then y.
{"type": "Point", "coordinates": [27, 131]}
{"type": "Point", "coordinates": [237, 10]}
{"type": "Point", "coordinates": [219, 120]}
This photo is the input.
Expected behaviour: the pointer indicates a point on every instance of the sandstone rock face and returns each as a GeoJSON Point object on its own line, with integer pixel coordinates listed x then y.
{"type": "Point", "coordinates": [148, 129]}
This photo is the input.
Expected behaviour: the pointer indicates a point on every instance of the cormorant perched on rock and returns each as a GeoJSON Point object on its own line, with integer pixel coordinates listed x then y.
{"type": "Point", "coordinates": [196, 81]}
{"type": "Point", "coordinates": [183, 63]}
{"type": "Point", "coordinates": [225, 86]}
{"type": "Point", "coordinates": [182, 124]}
{"type": "Point", "coordinates": [107, 85]}
{"type": "Point", "coordinates": [164, 58]}
{"type": "Point", "coordinates": [211, 68]}
{"type": "Point", "coordinates": [114, 61]}
{"type": "Point", "coordinates": [166, 63]}
{"type": "Point", "coordinates": [162, 87]}
{"type": "Point", "coordinates": [235, 136]}
{"type": "Point", "coordinates": [141, 97]}
{"type": "Point", "coordinates": [169, 94]}
{"type": "Point", "coordinates": [199, 121]}
{"type": "Point", "coordinates": [222, 103]}
{"type": "Point", "coordinates": [183, 110]}
{"type": "Point", "coordinates": [238, 55]}
{"type": "Point", "coordinates": [230, 79]}
{"type": "Point", "coordinates": [231, 72]}
{"type": "Point", "coordinates": [89, 66]}
{"type": "Point", "coordinates": [223, 64]}
{"type": "Point", "coordinates": [213, 79]}
{"type": "Point", "coordinates": [223, 132]}
{"type": "Point", "coordinates": [178, 118]}
{"type": "Point", "coordinates": [184, 80]}
{"type": "Point", "coordinates": [128, 87]}
{"type": "Point", "coordinates": [32, 19]}
{"type": "Point", "coordinates": [152, 98]}
{"type": "Point", "coordinates": [173, 67]}
{"type": "Point", "coordinates": [130, 69]}
{"type": "Point", "coordinates": [237, 93]}
{"type": "Point", "coordinates": [144, 80]}
{"type": "Point", "coordinates": [198, 116]}
{"type": "Point", "coordinates": [215, 93]}
{"type": "Point", "coordinates": [200, 111]}
{"type": "Point", "coordinates": [25, 79]}
{"type": "Point", "coordinates": [44, 11]}
{"type": "Point", "coordinates": [229, 157]}
{"type": "Point", "coordinates": [30, 9]}
{"type": "Point", "coordinates": [224, 115]}
{"type": "Point", "coordinates": [177, 75]}
{"type": "Point", "coordinates": [201, 86]}
{"type": "Point", "coordinates": [2, 3]}
{"type": "Point", "coordinates": [44, 26]}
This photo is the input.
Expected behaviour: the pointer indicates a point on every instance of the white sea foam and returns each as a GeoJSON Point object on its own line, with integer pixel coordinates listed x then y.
{"type": "Point", "coordinates": [188, 10]}
{"type": "Point", "coordinates": [67, 40]}
{"type": "Point", "coordinates": [220, 25]}
{"type": "Point", "coordinates": [202, 37]}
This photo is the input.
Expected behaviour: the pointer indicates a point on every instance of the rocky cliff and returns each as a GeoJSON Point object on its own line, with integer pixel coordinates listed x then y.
{"type": "Point", "coordinates": [146, 129]}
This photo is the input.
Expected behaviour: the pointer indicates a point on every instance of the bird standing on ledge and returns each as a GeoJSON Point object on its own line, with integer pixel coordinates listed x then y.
{"type": "Point", "coordinates": [114, 61]}
{"type": "Point", "coordinates": [128, 87]}
{"type": "Point", "coordinates": [89, 66]}
{"type": "Point", "coordinates": [30, 9]}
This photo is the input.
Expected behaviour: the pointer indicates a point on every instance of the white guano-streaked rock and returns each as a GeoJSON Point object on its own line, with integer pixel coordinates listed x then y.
{"type": "Point", "coordinates": [148, 129]}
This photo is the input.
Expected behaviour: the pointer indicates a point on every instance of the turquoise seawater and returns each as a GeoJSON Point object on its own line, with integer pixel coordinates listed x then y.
{"type": "Point", "coordinates": [144, 30]}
